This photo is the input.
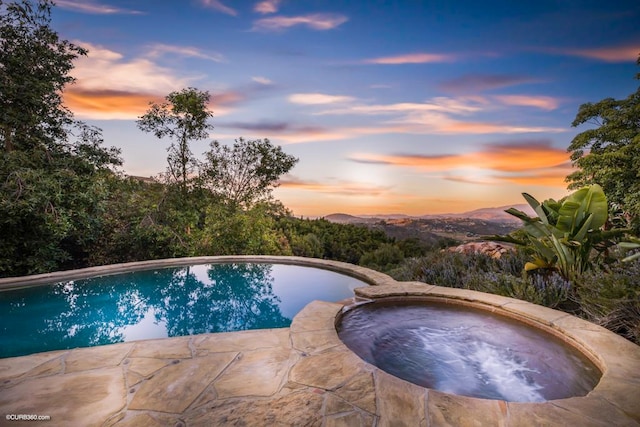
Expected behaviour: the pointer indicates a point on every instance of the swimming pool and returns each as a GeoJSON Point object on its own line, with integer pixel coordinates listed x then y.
{"type": "Point", "coordinates": [164, 302]}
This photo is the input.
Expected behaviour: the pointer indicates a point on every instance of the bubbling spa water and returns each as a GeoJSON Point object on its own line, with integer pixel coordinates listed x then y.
{"type": "Point", "coordinates": [466, 351]}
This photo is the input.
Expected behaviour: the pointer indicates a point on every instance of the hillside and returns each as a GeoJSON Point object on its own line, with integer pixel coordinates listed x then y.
{"type": "Point", "coordinates": [431, 228]}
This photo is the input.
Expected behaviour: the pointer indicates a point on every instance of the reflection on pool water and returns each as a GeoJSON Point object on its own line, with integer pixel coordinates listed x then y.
{"type": "Point", "coordinates": [466, 351]}
{"type": "Point", "coordinates": [161, 303]}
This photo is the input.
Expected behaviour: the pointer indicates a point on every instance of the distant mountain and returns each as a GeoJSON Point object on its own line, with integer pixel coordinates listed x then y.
{"type": "Point", "coordinates": [342, 218]}
{"type": "Point", "coordinates": [497, 214]}
{"type": "Point", "coordinates": [488, 214]}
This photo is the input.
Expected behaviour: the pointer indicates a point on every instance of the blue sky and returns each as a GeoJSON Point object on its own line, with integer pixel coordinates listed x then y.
{"type": "Point", "coordinates": [392, 107]}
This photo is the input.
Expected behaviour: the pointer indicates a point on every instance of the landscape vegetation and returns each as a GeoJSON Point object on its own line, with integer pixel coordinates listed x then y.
{"type": "Point", "coordinates": [65, 203]}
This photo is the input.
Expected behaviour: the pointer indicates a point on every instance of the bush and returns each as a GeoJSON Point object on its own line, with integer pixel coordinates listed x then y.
{"type": "Point", "coordinates": [612, 299]}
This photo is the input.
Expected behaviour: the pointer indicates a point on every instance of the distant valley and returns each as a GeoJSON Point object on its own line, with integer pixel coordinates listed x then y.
{"type": "Point", "coordinates": [432, 228]}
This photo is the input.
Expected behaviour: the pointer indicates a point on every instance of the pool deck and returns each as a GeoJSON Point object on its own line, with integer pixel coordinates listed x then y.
{"type": "Point", "coordinates": [301, 376]}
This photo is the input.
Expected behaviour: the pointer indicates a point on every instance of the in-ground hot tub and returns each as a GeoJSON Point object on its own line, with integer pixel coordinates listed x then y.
{"type": "Point", "coordinates": [459, 349]}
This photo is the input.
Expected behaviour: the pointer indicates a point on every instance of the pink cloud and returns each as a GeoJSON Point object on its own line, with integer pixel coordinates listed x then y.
{"type": "Point", "coordinates": [267, 6]}
{"type": "Point", "coordinates": [94, 8]}
{"type": "Point", "coordinates": [217, 5]}
{"type": "Point", "coordinates": [609, 54]}
{"type": "Point", "coordinates": [543, 102]}
{"type": "Point", "coordinates": [483, 82]}
{"type": "Point", "coordinates": [412, 58]}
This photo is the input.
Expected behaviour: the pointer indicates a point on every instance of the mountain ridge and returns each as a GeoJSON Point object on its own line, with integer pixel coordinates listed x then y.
{"type": "Point", "coordinates": [497, 214]}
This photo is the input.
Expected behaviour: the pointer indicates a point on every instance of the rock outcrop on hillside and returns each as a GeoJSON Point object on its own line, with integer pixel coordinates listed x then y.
{"type": "Point", "coordinates": [493, 249]}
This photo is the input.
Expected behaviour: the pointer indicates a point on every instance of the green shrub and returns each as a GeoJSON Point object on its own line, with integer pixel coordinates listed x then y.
{"type": "Point", "coordinates": [612, 299]}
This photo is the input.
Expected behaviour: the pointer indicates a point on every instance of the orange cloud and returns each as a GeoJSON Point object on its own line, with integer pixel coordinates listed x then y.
{"type": "Point", "coordinates": [412, 58]}
{"type": "Point", "coordinates": [506, 158]}
{"type": "Point", "coordinates": [342, 188]}
{"type": "Point", "coordinates": [316, 21]}
{"type": "Point", "coordinates": [549, 178]}
{"type": "Point", "coordinates": [106, 104]}
{"type": "Point", "coordinates": [609, 54]}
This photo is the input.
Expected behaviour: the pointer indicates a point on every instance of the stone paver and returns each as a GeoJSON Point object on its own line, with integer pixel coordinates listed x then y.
{"type": "Point", "coordinates": [96, 357]}
{"type": "Point", "coordinates": [300, 376]}
{"type": "Point", "coordinates": [175, 387]}
{"type": "Point", "coordinates": [255, 373]}
{"type": "Point", "coordinates": [76, 399]}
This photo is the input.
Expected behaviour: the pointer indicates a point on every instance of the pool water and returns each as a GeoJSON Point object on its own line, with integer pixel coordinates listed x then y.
{"type": "Point", "coordinates": [162, 303]}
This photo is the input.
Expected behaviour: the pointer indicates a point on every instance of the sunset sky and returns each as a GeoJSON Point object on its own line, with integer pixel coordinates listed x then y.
{"type": "Point", "coordinates": [409, 106]}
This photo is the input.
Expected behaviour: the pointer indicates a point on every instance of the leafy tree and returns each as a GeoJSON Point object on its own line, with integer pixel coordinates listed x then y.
{"type": "Point", "coordinates": [52, 169]}
{"type": "Point", "coordinates": [609, 154]}
{"type": "Point", "coordinates": [183, 118]}
{"type": "Point", "coordinates": [230, 231]}
{"type": "Point", "coordinates": [34, 69]}
{"type": "Point", "coordinates": [246, 173]}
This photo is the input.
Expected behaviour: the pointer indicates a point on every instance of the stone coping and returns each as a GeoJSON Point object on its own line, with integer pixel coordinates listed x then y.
{"type": "Point", "coordinates": [301, 375]}
{"type": "Point", "coordinates": [365, 274]}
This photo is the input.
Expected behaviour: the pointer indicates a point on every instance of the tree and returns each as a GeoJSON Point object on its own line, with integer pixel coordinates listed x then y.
{"type": "Point", "coordinates": [609, 154]}
{"type": "Point", "coordinates": [34, 69]}
{"type": "Point", "coordinates": [246, 173]}
{"type": "Point", "coordinates": [183, 118]}
{"type": "Point", "coordinates": [52, 168]}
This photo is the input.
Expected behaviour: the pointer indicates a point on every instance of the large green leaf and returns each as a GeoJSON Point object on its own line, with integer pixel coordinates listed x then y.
{"type": "Point", "coordinates": [537, 207]}
{"type": "Point", "coordinates": [577, 207]}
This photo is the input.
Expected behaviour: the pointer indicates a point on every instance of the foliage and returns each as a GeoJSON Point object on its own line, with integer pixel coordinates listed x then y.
{"type": "Point", "coordinates": [52, 170]}
{"type": "Point", "coordinates": [183, 118]}
{"type": "Point", "coordinates": [34, 69]}
{"type": "Point", "coordinates": [384, 258]}
{"type": "Point", "coordinates": [611, 298]}
{"type": "Point", "coordinates": [480, 272]}
{"type": "Point", "coordinates": [631, 244]}
{"type": "Point", "coordinates": [609, 154]}
{"type": "Point", "coordinates": [341, 242]}
{"type": "Point", "coordinates": [565, 233]}
{"type": "Point", "coordinates": [252, 231]}
{"type": "Point", "coordinates": [246, 173]}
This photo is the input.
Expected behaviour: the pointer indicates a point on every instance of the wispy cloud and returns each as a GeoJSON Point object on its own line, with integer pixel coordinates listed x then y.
{"type": "Point", "coordinates": [187, 51]}
{"type": "Point", "coordinates": [475, 83]}
{"type": "Point", "coordinates": [543, 102]}
{"type": "Point", "coordinates": [219, 6]}
{"type": "Point", "coordinates": [267, 6]}
{"type": "Point", "coordinates": [318, 99]}
{"type": "Point", "coordinates": [440, 104]}
{"type": "Point", "coordinates": [625, 53]}
{"type": "Point", "coordinates": [336, 187]}
{"type": "Point", "coordinates": [262, 80]}
{"type": "Point", "coordinates": [315, 21]}
{"type": "Point", "coordinates": [533, 162]}
{"type": "Point", "coordinates": [440, 115]}
{"type": "Point", "coordinates": [412, 58]}
{"type": "Point", "coordinates": [94, 8]}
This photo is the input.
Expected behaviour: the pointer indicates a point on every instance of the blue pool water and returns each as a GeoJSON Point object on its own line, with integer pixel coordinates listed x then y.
{"type": "Point", "coordinates": [162, 303]}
